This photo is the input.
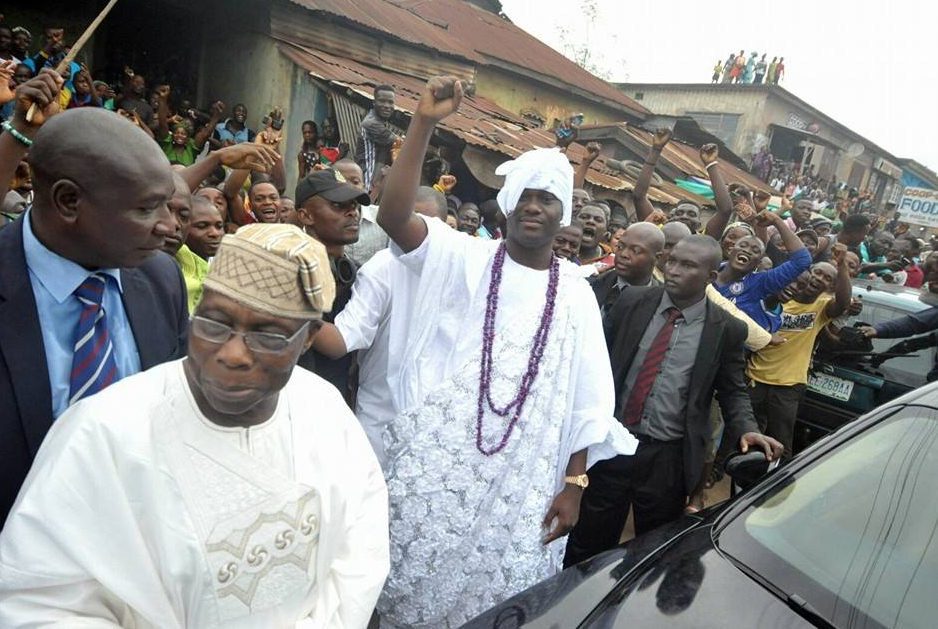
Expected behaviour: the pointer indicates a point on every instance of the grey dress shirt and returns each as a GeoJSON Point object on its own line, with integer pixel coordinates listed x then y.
{"type": "Point", "coordinates": [666, 405]}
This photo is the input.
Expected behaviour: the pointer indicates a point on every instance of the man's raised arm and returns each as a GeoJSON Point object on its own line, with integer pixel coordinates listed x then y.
{"type": "Point", "coordinates": [396, 213]}
{"type": "Point", "coordinates": [643, 208]}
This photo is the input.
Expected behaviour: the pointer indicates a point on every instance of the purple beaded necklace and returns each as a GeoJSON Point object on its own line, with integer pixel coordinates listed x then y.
{"type": "Point", "coordinates": [534, 359]}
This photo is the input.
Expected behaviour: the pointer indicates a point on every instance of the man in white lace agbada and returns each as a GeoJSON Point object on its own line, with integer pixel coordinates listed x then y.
{"type": "Point", "coordinates": [500, 375]}
{"type": "Point", "coordinates": [228, 489]}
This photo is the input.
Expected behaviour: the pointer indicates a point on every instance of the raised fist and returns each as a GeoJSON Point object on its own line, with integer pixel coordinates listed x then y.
{"type": "Point", "coordinates": [441, 98]}
{"type": "Point", "coordinates": [709, 153]}
{"type": "Point", "coordinates": [662, 137]}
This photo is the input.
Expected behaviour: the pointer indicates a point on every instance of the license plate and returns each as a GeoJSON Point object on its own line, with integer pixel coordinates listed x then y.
{"type": "Point", "coordinates": [831, 386]}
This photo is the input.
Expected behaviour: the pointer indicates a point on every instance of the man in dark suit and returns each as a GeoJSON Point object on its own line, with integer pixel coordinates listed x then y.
{"type": "Point", "coordinates": [86, 297]}
{"type": "Point", "coordinates": [670, 350]}
{"type": "Point", "coordinates": [637, 254]}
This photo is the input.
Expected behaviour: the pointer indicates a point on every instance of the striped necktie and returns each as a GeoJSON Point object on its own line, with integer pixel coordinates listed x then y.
{"type": "Point", "coordinates": [93, 364]}
{"type": "Point", "coordinates": [651, 365]}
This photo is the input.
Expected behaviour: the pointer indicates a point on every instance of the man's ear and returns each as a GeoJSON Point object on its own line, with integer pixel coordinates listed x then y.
{"type": "Point", "coordinates": [713, 276]}
{"type": "Point", "coordinates": [66, 199]}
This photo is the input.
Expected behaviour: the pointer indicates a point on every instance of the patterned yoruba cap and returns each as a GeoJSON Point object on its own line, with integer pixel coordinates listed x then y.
{"type": "Point", "coordinates": [276, 269]}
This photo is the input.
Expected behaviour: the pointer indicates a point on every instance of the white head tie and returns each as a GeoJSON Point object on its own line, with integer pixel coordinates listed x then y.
{"type": "Point", "coordinates": [540, 169]}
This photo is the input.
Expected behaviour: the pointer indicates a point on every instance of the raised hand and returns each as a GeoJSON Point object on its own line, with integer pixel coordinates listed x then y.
{"type": "Point", "coordinates": [218, 108]}
{"type": "Point", "coordinates": [592, 150]}
{"type": "Point", "coordinates": [662, 137]}
{"type": "Point", "coordinates": [786, 203]}
{"type": "Point", "coordinates": [745, 212]}
{"type": "Point", "coordinates": [838, 254]}
{"type": "Point", "coordinates": [447, 183]}
{"type": "Point", "coordinates": [764, 217]}
{"type": "Point", "coordinates": [43, 90]}
{"type": "Point", "coordinates": [760, 200]}
{"type": "Point", "coordinates": [657, 217]}
{"type": "Point", "coordinates": [247, 156]}
{"type": "Point", "coordinates": [441, 98]}
{"type": "Point", "coordinates": [162, 91]}
{"type": "Point", "coordinates": [709, 153]}
{"type": "Point", "coordinates": [7, 68]}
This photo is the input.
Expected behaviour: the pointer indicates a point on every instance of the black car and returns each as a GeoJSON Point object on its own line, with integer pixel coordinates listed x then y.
{"type": "Point", "coordinates": [843, 385]}
{"type": "Point", "coordinates": [844, 535]}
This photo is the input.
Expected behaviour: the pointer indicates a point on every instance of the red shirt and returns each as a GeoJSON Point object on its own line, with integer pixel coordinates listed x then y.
{"type": "Point", "coordinates": [915, 277]}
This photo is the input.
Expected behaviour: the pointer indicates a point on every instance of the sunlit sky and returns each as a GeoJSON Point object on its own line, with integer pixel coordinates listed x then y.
{"type": "Point", "coordinates": [872, 66]}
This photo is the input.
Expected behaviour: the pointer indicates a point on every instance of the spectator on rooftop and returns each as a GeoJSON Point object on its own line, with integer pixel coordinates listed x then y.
{"type": "Point", "coordinates": [373, 146]}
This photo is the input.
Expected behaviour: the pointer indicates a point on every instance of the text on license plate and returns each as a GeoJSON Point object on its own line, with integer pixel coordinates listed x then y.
{"type": "Point", "coordinates": [831, 386]}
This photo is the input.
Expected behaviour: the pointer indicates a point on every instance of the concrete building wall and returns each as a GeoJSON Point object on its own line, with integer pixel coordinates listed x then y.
{"type": "Point", "coordinates": [246, 67]}
{"type": "Point", "coordinates": [516, 93]}
{"type": "Point", "coordinates": [750, 106]}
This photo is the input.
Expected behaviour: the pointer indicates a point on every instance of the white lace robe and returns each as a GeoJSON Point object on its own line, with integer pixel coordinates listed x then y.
{"type": "Point", "coordinates": [140, 513]}
{"type": "Point", "coordinates": [465, 527]}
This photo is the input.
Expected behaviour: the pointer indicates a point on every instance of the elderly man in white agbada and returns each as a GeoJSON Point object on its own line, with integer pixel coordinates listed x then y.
{"type": "Point", "coordinates": [226, 490]}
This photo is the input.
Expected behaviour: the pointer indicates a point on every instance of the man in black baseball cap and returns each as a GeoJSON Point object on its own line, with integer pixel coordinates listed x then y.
{"type": "Point", "coordinates": [328, 207]}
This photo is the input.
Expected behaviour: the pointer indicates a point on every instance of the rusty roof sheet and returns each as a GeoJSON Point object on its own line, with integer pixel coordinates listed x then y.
{"type": "Point", "coordinates": [687, 159]}
{"type": "Point", "coordinates": [459, 28]}
{"type": "Point", "coordinates": [479, 121]}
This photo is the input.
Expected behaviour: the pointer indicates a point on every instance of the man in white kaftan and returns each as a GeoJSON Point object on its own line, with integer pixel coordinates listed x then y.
{"type": "Point", "coordinates": [142, 510]}
{"type": "Point", "coordinates": [467, 528]}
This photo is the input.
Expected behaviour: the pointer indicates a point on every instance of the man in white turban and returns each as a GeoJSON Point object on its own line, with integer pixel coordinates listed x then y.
{"type": "Point", "coordinates": [229, 489]}
{"type": "Point", "coordinates": [500, 377]}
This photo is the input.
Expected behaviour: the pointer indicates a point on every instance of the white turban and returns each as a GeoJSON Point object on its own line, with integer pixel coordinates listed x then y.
{"type": "Point", "coordinates": [540, 169]}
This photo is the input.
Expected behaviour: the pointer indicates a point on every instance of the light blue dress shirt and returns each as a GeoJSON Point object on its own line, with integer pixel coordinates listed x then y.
{"type": "Point", "coordinates": [54, 279]}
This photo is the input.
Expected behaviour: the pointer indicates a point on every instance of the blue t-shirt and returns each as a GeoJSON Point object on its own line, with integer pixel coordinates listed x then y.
{"type": "Point", "coordinates": [749, 292]}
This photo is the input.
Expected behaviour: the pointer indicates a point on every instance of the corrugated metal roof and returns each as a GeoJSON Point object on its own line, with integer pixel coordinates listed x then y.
{"type": "Point", "coordinates": [454, 27]}
{"type": "Point", "coordinates": [479, 121]}
{"type": "Point", "coordinates": [686, 158]}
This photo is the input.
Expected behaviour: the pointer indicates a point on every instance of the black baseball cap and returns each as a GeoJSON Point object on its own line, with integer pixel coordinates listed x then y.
{"type": "Point", "coordinates": [331, 186]}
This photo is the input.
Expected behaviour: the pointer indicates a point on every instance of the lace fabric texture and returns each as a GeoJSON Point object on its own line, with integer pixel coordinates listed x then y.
{"type": "Point", "coordinates": [466, 528]}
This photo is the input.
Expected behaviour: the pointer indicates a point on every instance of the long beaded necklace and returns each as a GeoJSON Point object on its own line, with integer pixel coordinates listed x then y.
{"type": "Point", "coordinates": [534, 358]}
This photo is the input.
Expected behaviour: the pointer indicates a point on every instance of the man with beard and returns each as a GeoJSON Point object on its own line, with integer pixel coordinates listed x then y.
{"type": "Point", "coordinates": [636, 256]}
{"type": "Point", "coordinates": [373, 146]}
{"type": "Point", "coordinates": [330, 210]}
{"type": "Point", "coordinates": [233, 130]}
{"type": "Point", "coordinates": [738, 281]}
{"type": "Point", "coordinates": [779, 373]}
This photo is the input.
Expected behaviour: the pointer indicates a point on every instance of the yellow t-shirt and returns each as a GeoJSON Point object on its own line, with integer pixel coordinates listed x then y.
{"type": "Point", "coordinates": [787, 364]}
{"type": "Point", "coordinates": [194, 270]}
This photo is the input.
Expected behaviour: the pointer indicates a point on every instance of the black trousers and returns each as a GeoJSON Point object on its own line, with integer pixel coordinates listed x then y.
{"type": "Point", "coordinates": [651, 481]}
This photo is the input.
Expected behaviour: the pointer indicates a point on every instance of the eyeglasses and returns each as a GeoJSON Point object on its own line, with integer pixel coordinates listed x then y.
{"type": "Point", "coordinates": [259, 342]}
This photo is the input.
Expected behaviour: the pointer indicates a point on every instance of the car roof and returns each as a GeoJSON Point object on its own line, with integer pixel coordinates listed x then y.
{"type": "Point", "coordinates": [898, 297]}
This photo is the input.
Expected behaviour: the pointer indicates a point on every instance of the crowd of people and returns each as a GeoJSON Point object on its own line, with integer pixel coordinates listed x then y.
{"type": "Point", "coordinates": [752, 69]}
{"type": "Point", "coordinates": [370, 401]}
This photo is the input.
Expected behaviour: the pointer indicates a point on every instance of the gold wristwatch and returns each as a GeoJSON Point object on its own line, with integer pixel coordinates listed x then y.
{"type": "Point", "coordinates": [580, 481]}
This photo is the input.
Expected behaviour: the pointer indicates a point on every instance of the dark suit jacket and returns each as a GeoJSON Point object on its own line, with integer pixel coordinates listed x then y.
{"type": "Point", "coordinates": [720, 368]}
{"type": "Point", "coordinates": [154, 297]}
{"type": "Point", "coordinates": [603, 283]}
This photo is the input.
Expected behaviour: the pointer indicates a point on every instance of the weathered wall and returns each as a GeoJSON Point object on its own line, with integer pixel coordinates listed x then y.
{"type": "Point", "coordinates": [515, 93]}
{"type": "Point", "coordinates": [750, 106]}
{"type": "Point", "coordinates": [248, 68]}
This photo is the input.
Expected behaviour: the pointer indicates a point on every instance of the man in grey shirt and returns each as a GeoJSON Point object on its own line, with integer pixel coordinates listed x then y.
{"type": "Point", "coordinates": [671, 350]}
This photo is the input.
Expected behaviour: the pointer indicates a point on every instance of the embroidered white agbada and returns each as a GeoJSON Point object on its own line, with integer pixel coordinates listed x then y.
{"type": "Point", "coordinates": [139, 512]}
{"type": "Point", "coordinates": [466, 528]}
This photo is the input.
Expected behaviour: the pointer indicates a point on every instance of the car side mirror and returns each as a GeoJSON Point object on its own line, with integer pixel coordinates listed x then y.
{"type": "Point", "coordinates": [747, 469]}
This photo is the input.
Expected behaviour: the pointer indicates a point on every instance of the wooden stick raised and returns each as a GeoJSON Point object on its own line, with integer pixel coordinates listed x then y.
{"type": "Point", "coordinates": [76, 48]}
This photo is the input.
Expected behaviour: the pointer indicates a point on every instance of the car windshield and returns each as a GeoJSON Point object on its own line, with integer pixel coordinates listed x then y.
{"type": "Point", "coordinates": [854, 533]}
